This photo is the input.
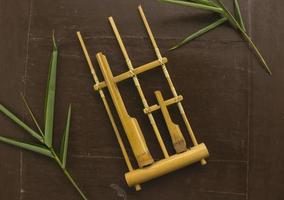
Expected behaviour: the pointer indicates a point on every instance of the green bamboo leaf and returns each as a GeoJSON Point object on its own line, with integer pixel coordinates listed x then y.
{"type": "Point", "coordinates": [194, 5]}
{"type": "Point", "coordinates": [26, 146]}
{"type": "Point", "coordinates": [204, 2]}
{"type": "Point", "coordinates": [50, 96]}
{"type": "Point", "coordinates": [65, 140]}
{"type": "Point", "coordinates": [20, 123]}
{"type": "Point", "coordinates": [32, 115]}
{"type": "Point", "coordinates": [200, 32]}
{"type": "Point", "coordinates": [239, 14]}
{"type": "Point", "coordinates": [245, 35]}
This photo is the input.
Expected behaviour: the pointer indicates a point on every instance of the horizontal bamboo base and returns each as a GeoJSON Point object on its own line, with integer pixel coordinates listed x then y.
{"type": "Point", "coordinates": [166, 165]}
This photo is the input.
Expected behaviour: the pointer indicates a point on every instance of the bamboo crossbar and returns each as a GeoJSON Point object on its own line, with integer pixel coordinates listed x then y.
{"type": "Point", "coordinates": [168, 102]}
{"type": "Point", "coordinates": [169, 80]}
{"type": "Point", "coordinates": [131, 73]}
{"type": "Point", "coordinates": [110, 115]}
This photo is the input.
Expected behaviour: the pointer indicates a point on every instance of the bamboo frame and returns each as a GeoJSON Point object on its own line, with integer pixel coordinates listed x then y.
{"type": "Point", "coordinates": [148, 168]}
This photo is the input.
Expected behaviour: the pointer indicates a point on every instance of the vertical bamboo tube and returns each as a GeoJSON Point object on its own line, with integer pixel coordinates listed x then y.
{"type": "Point", "coordinates": [174, 130]}
{"type": "Point", "coordinates": [138, 87]}
{"type": "Point", "coordinates": [167, 75]}
{"type": "Point", "coordinates": [111, 118]}
{"type": "Point", "coordinates": [130, 124]}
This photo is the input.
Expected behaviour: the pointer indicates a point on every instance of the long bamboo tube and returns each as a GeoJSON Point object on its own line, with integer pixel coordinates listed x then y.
{"type": "Point", "coordinates": [167, 75]}
{"type": "Point", "coordinates": [130, 124]}
{"type": "Point", "coordinates": [138, 87]}
{"type": "Point", "coordinates": [111, 118]}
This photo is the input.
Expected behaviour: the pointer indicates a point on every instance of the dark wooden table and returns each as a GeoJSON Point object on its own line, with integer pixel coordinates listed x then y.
{"type": "Point", "coordinates": [234, 106]}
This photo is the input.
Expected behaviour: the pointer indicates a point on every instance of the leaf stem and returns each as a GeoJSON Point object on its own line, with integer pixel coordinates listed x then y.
{"type": "Point", "coordinates": [67, 174]}
{"type": "Point", "coordinates": [262, 60]}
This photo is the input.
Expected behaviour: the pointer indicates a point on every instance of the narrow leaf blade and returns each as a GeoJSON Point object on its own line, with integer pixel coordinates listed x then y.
{"type": "Point", "coordinates": [32, 115]}
{"type": "Point", "coordinates": [26, 146]}
{"type": "Point", "coordinates": [239, 14]}
{"type": "Point", "coordinates": [65, 139]}
{"type": "Point", "coordinates": [20, 123]}
{"type": "Point", "coordinates": [204, 2]}
{"type": "Point", "coordinates": [50, 96]}
{"type": "Point", "coordinates": [200, 32]}
{"type": "Point", "coordinates": [194, 5]}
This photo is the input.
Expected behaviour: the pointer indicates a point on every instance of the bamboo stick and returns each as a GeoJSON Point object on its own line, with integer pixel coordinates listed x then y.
{"type": "Point", "coordinates": [170, 83]}
{"type": "Point", "coordinates": [168, 102]}
{"type": "Point", "coordinates": [114, 126]}
{"type": "Point", "coordinates": [138, 87]}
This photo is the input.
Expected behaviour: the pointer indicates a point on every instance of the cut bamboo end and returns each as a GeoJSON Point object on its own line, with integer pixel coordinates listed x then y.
{"type": "Point", "coordinates": [167, 165]}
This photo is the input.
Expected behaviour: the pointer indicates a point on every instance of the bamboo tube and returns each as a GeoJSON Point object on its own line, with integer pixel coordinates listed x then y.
{"type": "Point", "coordinates": [167, 75]}
{"type": "Point", "coordinates": [129, 74]}
{"type": "Point", "coordinates": [130, 124]}
{"type": "Point", "coordinates": [174, 130]}
{"type": "Point", "coordinates": [111, 118]}
{"type": "Point", "coordinates": [138, 87]}
{"type": "Point", "coordinates": [167, 165]}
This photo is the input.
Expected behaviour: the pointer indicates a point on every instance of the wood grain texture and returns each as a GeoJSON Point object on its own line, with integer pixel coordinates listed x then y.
{"type": "Point", "coordinates": [233, 105]}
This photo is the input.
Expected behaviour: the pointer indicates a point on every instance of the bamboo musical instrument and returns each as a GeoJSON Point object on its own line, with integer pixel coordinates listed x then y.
{"type": "Point", "coordinates": [169, 80]}
{"type": "Point", "coordinates": [148, 168]}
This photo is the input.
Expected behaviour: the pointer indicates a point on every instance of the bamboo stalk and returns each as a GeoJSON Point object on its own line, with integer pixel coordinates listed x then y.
{"type": "Point", "coordinates": [170, 83]}
{"type": "Point", "coordinates": [138, 87]}
{"type": "Point", "coordinates": [101, 92]}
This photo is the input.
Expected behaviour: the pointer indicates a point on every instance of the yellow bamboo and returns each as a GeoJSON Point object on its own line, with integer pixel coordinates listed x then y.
{"type": "Point", "coordinates": [138, 87]}
{"type": "Point", "coordinates": [130, 124]}
{"type": "Point", "coordinates": [114, 126]}
{"type": "Point", "coordinates": [159, 56]}
{"type": "Point", "coordinates": [174, 130]}
{"type": "Point", "coordinates": [167, 165]}
{"type": "Point", "coordinates": [168, 102]}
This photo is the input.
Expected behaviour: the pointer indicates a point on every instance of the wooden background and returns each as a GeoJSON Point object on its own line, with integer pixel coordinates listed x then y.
{"type": "Point", "coordinates": [234, 106]}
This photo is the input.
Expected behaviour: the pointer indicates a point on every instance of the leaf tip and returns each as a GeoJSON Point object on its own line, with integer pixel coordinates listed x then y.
{"type": "Point", "coordinates": [53, 40]}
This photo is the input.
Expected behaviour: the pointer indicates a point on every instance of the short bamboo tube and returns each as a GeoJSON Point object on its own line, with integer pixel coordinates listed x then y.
{"type": "Point", "coordinates": [167, 165]}
{"type": "Point", "coordinates": [174, 130]}
{"type": "Point", "coordinates": [170, 83]}
{"type": "Point", "coordinates": [138, 87]}
{"type": "Point", "coordinates": [111, 118]}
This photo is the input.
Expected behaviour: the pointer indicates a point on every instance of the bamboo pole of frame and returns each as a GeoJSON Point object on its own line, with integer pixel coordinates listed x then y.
{"type": "Point", "coordinates": [169, 80]}
{"type": "Point", "coordinates": [114, 126]}
{"type": "Point", "coordinates": [138, 87]}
